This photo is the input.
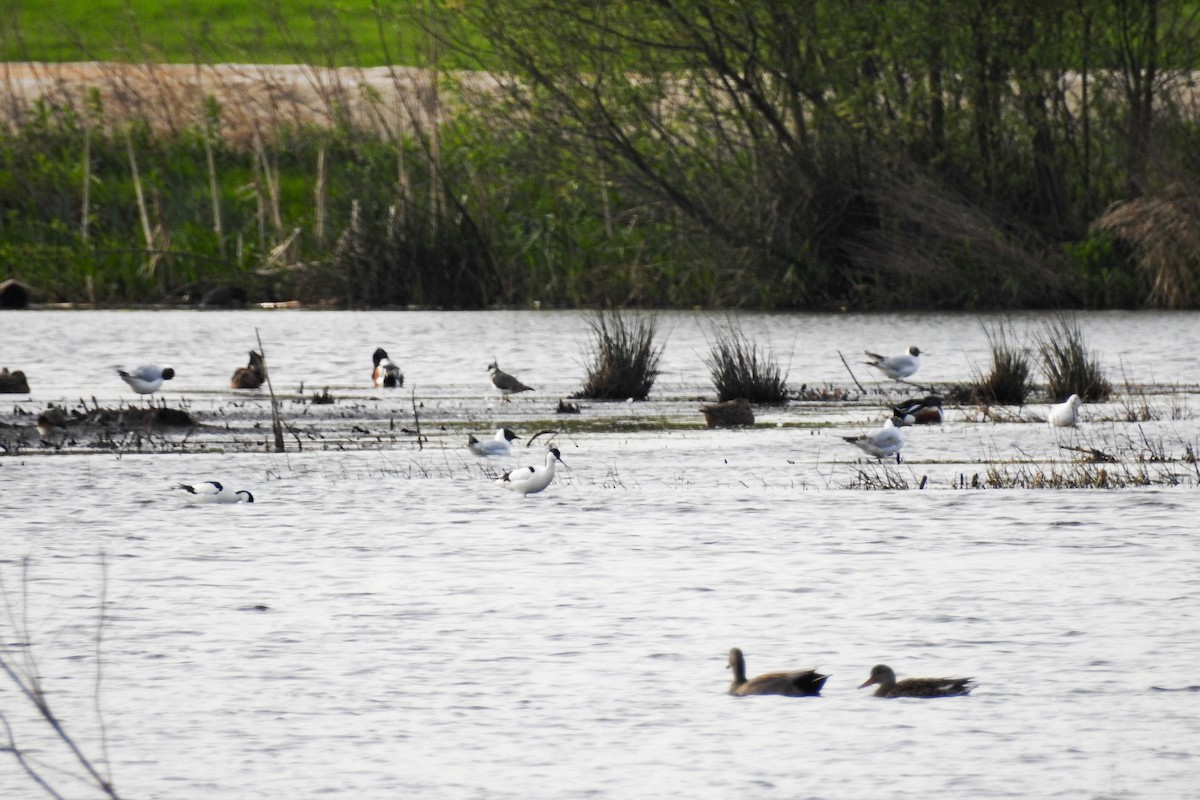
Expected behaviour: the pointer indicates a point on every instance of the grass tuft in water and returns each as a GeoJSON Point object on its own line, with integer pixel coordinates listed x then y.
{"type": "Point", "coordinates": [741, 370]}
{"type": "Point", "coordinates": [1068, 366]}
{"type": "Point", "coordinates": [1007, 383]}
{"type": "Point", "coordinates": [624, 359]}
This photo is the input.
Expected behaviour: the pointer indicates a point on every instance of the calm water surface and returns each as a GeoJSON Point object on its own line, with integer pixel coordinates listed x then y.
{"type": "Point", "coordinates": [388, 623]}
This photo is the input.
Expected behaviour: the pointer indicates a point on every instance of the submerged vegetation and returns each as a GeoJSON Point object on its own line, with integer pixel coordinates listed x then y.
{"type": "Point", "coordinates": [819, 156]}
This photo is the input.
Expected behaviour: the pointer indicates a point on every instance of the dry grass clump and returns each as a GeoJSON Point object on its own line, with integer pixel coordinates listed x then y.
{"type": "Point", "coordinates": [624, 358]}
{"type": "Point", "coordinates": [1007, 383]}
{"type": "Point", "coordinates": [1068, 366]}
{"type": "Point", "coordinates": [1163, 227]}
{"type": "Point", "coordinates": [740, 369]}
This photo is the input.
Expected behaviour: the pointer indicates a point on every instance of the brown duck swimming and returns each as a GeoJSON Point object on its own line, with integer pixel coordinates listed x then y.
{"type": "Point", "coordinates": [801, 683]}
{"type": "Point", "coordinates": [885, 678]}
{"type": "Point", "coordinates": [250, 376]}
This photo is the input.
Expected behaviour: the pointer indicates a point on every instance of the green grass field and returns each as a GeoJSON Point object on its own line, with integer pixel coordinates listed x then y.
{"type": "Point", "coordinates": [354, 33]}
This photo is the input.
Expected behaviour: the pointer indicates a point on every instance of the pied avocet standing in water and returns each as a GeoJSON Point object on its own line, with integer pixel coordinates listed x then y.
{"type": "Point", "coordinates": [531, 480]}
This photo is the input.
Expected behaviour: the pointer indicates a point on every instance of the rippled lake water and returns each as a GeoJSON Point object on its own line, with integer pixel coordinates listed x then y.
{"type": "Point", "coordinates": [385, 622]}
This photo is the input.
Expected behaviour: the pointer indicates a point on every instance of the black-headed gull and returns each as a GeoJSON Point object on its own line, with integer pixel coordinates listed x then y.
{"type": "Point", "coordinates": [800, 683]}
{"type": "Point", "coordinates": [1066, 413]}
{"type": "Point", "coordinates": [925, 411]}
{"type": "Point", "coordinates": [896, 367]}
{"type": "Point", "coordinates": [498, 446]}
{"type": "Point", "coordinates": [214, 492]}
{"type": "Point", "coordinates": [506, 383]}
{"type": "Point", "coordinates": [882, 443]}
{"type": "Point", "coordinates": [386, 373]}
{"type": "Point", "coordinates": [531, 480]}
{"type": "Point", "coordinates": [147, 379]}
{"type": "Point", "coordinates": [885, 678]}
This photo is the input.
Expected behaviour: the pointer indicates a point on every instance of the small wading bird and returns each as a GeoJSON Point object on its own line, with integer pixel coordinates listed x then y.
{"type": "Point", "coordinates": [1066, 413]}
{"type": "Point", "coordinates": [250, 376]}
{"type": "Point", "coordinates": [883, 443]}
{"type": "Point", "coordinates": [386, 374]}
{"type": "Point", "coordinates": [531, 480]}
{"type": "Point", "coordinates": [896, 367]}
{"type": "Point", "coordinates": [498, 446]}
{"type": "Point", "coordinates": [926, 411]}
{"type": "Point", "coordinates": [883, 676]}
{"type": "Point", "coordinates": [801, 683]}
{"type": "Point", "coordinates": [214, 492]}
{"type": "Point", "coordinates": [147, 379]}
{"type": "Point", "coordinates": [506, 383]}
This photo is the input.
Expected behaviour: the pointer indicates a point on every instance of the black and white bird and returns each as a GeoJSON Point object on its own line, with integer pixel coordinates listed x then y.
{"type": "Point", "coordinates": [896, 367]}
{"type": "Point", "coordinates": [214, 492]}
{"type": "Point", "coordinates": [386, 374]}
{"type": "Point", "coordinates": [506, 383]}
{"type": "Point", "coordinates": [531, 480]}
{"type": "Point", "coordinates": [924, 411]}
{"type": "Point", "coordinates": [147, 379]}
{"type": "Point", "coordinates": [497, 446]}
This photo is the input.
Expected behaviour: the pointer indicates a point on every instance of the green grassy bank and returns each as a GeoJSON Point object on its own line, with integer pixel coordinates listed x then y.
{"type": "Point", "coordinates": [820, 155]}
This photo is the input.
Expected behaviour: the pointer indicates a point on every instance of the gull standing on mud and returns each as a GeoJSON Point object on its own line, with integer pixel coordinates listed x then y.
{"type": "Point", "coordinates": [531, 480]}
{"type": "Point", "coordinates": [882, 443]}
{"type": "Point", "coordinates": [498, 446]}
{"type": "Point", "coordinates": [214, 492]}
{"type": "Point", "coordinates": [1066, 413]}
{"type": "Point", "coordinates": [896, 367]}
{"type": "Point", "coordinates": [147, 379]}
{"type": "Point", "coordinates": [506, 383]}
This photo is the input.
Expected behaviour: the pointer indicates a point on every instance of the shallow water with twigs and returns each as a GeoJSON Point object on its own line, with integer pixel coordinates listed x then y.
{"type": "Point", "coordinates": [384, 621]}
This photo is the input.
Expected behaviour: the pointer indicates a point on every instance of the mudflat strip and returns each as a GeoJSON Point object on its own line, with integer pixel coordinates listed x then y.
{"type": "Point", "coordinates": [252, 97]}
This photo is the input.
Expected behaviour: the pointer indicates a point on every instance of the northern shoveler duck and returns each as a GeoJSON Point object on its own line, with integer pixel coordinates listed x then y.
{"type": "Point", "coordinates": [925, 411]}
{"type": "Point", "coordinates": [147, 379]}
{"type": "Point", "coordinates": [214, 492]}
{"type": "Point", "coordinates": [896, 367]}
{"type": "Point", "coordinates": [883, 677]}
{"type": "Point", "coordinates": [386, 374]}
{"type": "Point", "coordinates": [1066, 413]}
{"type": "Point", "coordinates": [250, 376]}
{"type": "Point", "coordinates": [506, 383]}
{"type": "Point", "coordinates": [531, 480]}
{"type": "Point", "coordinates": [498, 446]}
{"type": "Point", "coordinates": [801, 683]}
{"type": "Point", "coordinates": [883, 443]}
